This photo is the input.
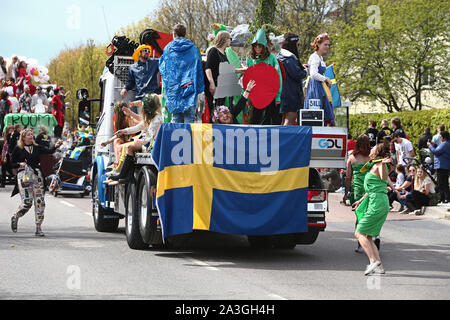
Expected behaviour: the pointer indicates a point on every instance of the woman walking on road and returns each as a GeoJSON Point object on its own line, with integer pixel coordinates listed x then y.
{"type": "Point", "coordinates": [372, 210]}
{"type": "Point", "coordinates": [30, 182]}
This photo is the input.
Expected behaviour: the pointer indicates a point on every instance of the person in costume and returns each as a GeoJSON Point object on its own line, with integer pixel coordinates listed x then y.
{"type": "Point", "coordinates": [260, 53]}
{"type": "Point", "coordinates": [30, 181]}
{"type": "Point", "coordinates": [292, 93]}
{"type": "Point", "coordinates": [143, 75]}
{"type": "Point", "coordinates": [316, 96]}
{"type": "Point", "coordinates": [354, 179]}
{"type": "Point", "coordinates": [151, 121]}
{"type": "Point", "coordinates": [182, 75]}
{"type": "Point", "coordinates": [225, 115]}
{"type": "Point", "coordinates": [58, 112]}
{"type": "Point", "coordinates": [373, 208]}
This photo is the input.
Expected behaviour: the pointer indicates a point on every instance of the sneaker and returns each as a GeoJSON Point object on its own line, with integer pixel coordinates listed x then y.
{"type": "Point", "coordinates": [39, 233]}
{"type": "Point", "coordinates": [370, 268]}
{"type": "Point", "coordinates": [359, 250]}
{"type": "Point", "coordinates": [14, 222]}
{"type": "Point", "coordinates": [402, 208]}
{"type": "Point", "coordinates": [420, 212]}
{"type": "Point", "coordinates": [406, 211]}
{"type": "Point", "coordinates": [379, 270]}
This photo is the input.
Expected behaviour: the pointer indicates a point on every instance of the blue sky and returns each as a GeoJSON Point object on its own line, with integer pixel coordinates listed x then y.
{"type": "Point", "coordinates": [41, 29]}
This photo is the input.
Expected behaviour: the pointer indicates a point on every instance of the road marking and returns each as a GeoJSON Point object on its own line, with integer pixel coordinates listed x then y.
{"type": "Point", "coordinates": [202, 264]}
{"type": "Point", "coordinates": [67, 203]}
{"type": "Point", "coordinates": [88, 213]}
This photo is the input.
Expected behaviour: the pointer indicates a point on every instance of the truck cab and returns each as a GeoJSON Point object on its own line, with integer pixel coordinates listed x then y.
{"type": "Point", "coordinates": [136, 203]}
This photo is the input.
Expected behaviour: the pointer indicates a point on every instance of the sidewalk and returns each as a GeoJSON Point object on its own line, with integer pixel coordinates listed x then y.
{"type": "Point", "coordinates": [341, 213]}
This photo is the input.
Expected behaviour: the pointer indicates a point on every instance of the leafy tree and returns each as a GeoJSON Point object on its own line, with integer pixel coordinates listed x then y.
{"type": "Point", "coordinates": [390, 47]}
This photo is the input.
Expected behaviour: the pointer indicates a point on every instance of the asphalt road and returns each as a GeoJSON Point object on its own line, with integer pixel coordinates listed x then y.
{"type": "Point", "coordinates": [76, 262]}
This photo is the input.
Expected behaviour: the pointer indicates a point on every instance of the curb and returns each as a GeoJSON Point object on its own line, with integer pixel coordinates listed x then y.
{"type": "Point", "coordinates": [437, 212]}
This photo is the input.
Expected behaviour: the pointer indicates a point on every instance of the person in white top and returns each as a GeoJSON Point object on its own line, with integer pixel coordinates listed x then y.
{"type": "Point", "coordinates": [39, 95]}
{"type": "Point", "coordinates": [151, 119]}
{"type": "Point", "coordinates": [404, 150]}
{"type": "Point", "coordinates": [3, 70]}
{"type": "Point", "coordinates": [316, 97]}
{"type": "Point", "coordinates": [420, 197]}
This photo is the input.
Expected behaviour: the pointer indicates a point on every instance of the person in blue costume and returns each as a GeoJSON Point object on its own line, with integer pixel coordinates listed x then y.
{"type": "Point", "coordinates": [182, 74]}
{"type": "Point", "coordinates": [316, 96]}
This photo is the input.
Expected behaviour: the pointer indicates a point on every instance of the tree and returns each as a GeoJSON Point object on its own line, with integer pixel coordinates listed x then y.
{"type": "Point", "coordinates": [389, 47]}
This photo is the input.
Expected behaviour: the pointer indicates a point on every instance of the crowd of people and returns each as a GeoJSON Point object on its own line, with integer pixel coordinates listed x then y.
{"type": "Point", "coordinates": [388, 155]}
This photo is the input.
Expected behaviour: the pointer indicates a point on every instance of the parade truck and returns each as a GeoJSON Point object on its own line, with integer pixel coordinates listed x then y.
{"type": "Point", "coordinates": [187, 184]}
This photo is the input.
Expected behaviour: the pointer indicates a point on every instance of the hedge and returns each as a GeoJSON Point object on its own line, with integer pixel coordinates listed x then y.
{"type": "Point", "coordinates": [413, 122]}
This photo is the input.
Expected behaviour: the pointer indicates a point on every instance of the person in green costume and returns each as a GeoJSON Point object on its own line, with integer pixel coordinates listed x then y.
{"type": "Point", "coordinates": [260, 54]}
{"type": "Point", "coordinates": [354, 179]}
{"type": "Point", "coordinates": [372, 209]}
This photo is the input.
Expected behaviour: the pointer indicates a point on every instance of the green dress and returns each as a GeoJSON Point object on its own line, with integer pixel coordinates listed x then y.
{"type": "Point", "coordinates": [358, 190]}
{"type": "Point", "coordinates": [373, 211]}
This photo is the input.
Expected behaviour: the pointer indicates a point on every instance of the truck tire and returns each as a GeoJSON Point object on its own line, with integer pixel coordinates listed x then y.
{"type": "Point", "coordinates": [147, 211]}
{"type": "Point", "coordinates": [134, 238]}
{"type": "Point", "coordinates": [260, 242]}
{"type": "Point", "coordinates": [284, 242]}
{"type": "Point", "coordinates": [100, 223]}
{"type": "Point", "coordinates": [307, 238]}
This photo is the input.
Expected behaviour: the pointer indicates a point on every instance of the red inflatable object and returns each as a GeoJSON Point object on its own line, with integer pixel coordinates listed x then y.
{"type": "Point", "coordinates": [165, 39]}
{"type": "Point", "coordinates": [267, 84]}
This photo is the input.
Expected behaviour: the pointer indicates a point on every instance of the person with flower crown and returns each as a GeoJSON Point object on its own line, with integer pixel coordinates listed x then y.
{"type": "Point", "coordinates": [223, 114]}
{"type": "Point", "coordinates": [151, 120]}
{"type": "Point", "coordinates": [316, 95]}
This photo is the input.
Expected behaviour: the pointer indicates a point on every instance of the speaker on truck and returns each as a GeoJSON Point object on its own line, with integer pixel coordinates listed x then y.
{"type": "Point", "coordinates": [312, 118]}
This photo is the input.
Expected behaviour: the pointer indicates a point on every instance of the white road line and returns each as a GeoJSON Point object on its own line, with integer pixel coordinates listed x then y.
{"type": "Point", "coordinates": [67, 203]}
{"type": "Point", "coordinates": [88, 213]}
{"type": "Point", "coordinates": [202, 264]}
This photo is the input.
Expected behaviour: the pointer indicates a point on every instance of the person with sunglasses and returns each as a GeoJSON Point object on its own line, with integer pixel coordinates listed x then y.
{"type": "Point", "coordinates": [143, 75]}
{"type": "Point", "coordinates": [35, 99]}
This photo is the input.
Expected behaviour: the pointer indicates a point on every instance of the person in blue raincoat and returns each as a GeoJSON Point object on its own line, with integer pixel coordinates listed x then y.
{"type": "Point", "coordinates": [316, 96]}
{"type": "Point", "coordinates": [182, 74]}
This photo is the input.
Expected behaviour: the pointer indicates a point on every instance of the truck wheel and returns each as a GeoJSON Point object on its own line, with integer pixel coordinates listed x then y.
{"type": "Point", "coordinates": [284, 242]}
{"type": "Point", "coordinates": [132, 232]}
{"type": "Point", "coordinates": [260, 242]}
{"type": "Point", "coordinates": [100, 223]}
{"type": "Point", "coordinates": [147, 211]}
{"type": "Point", "coordinates": [307, 238]}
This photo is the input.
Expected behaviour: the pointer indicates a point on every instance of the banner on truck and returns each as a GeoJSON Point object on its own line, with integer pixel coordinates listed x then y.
{"type": "Point", "coordinates": [232, 179]}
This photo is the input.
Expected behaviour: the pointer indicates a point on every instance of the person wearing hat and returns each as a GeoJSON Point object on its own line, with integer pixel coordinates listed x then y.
{"type": "Point", "coordinates": [151, 121]}
{"type": "Point", "coordinates": [143, 75]}
{"type": "Point", "coordinates": [260, 54]}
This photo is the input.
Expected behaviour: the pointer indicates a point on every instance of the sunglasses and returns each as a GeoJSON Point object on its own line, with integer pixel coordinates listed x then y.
{"type": "Point", "coordinates": [145, 51]}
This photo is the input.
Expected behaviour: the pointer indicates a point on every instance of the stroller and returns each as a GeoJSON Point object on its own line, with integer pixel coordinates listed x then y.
{"type": "Point", "coordinates": [72, 173]}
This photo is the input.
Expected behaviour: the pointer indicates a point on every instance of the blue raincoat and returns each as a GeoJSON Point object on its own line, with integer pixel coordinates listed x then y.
{"type": "Point", "coordinates": [182, 74]}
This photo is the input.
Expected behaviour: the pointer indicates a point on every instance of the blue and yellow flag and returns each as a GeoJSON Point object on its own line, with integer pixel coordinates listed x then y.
{"type": "Point", "coordinates": [335, 95]}
{"type": "Point", "coordinates": [76, 153]}
{"type": "Point", "coordinates": [232, 179]}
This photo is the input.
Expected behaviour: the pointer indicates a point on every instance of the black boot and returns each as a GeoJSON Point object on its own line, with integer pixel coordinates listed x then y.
{"type": "Point", "coordinates": [127, 170]}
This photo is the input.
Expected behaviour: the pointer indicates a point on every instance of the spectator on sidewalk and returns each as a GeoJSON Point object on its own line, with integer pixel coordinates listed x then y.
{"type": "Point", "coordinates": [442, 153]}
{"type": "Point", "coordinates": [384, 132]}
{"type": "Point", "coordinates": [404, 149]}
{"type": "Point", "coordinates": [425, 138]}
{"type": "Point", "coordinates": [420, 197]}
{"type": "Point", "coordinates": [372, 133]}
{"type": "Point", "coordinates": [394, 194]}
{"type": "Point", "coordinates": [437, 138]}
{"type": "Point", "coordinates": [397, 127]}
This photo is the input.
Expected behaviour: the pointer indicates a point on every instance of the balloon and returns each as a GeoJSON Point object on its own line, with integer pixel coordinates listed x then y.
{"type": "Point", "coordinates": [34, 72]}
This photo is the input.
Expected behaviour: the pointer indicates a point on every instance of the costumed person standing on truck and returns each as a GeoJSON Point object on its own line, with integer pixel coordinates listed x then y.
{"type": "Point", "coordinates": [143, 75]}
{"type": "Point", "coordinates": [373, 208]}
{"type": "Point", "coordinates": [292, 93]}
{"type": "Point", "coordinates": [151, 121]}
{"type": "Point", "coordinates": [182, 74]}
{"type": "Point", "coordinates": [260, 53]}
{"type": "Point", "coordinates": [30, 182]}
{"type": "Point", "coordinates": [316, 96]}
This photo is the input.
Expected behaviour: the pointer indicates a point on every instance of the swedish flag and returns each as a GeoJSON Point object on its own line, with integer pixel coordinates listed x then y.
{"type": "Point", "coordinates": [335, 95]}
{"type": "Point", "coordinates": [232, 179]}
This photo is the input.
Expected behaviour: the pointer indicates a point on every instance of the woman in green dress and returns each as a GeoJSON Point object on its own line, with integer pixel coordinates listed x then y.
{"type": "Point", "coordinates": [354, 179]}
{"type": "Point", "coordinates": [373, 208]}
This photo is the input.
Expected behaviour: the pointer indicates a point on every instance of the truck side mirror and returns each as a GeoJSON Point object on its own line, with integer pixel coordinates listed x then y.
{"type": "Point", "coordinates": [82, 94]}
